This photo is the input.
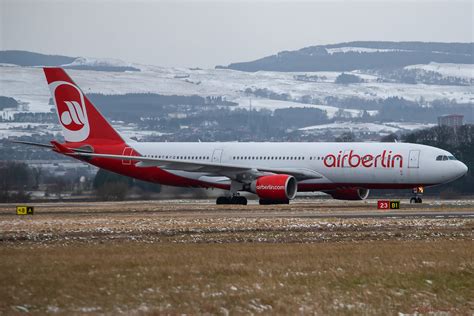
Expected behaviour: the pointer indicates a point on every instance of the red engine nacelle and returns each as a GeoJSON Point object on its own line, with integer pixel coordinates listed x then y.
{"type": "Point", "coordinates": [279, 187]}
{"type": "Point", "coordinates": [350, 194]}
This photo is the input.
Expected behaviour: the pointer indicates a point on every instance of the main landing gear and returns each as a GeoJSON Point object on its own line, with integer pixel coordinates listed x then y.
{"type": "Point", "coordinates": [234, 200]}
{"type": "Point", "coordinates": [234, 197]}
{"type": "Point", "coordinates": [417, 192]}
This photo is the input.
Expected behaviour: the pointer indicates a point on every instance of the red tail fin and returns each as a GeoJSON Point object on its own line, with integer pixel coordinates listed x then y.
{"type": "Point", "coordinates": [80, 120]}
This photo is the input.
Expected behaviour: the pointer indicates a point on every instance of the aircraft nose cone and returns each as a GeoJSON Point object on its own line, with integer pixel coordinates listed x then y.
{"type": "Point", "coordinates": [463, 169]}
{"type": "Point", "coordinates": [459, 170]}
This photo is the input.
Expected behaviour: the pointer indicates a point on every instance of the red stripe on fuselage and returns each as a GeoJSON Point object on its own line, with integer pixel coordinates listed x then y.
{"type": "Point", "coordinates": [150, 174]}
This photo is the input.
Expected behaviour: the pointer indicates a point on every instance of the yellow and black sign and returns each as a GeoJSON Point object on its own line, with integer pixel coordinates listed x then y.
{"type": "Point", "coordinates": [394, 205]}
{"type": "Point", "coordinates": [24, 210]}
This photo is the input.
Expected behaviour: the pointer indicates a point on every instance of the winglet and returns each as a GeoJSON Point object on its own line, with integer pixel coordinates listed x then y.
{"type": "Point", "coordinates": [61, 148]}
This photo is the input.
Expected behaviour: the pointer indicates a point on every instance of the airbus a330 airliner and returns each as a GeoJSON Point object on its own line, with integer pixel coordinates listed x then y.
{"type": "Point", "coordinates": [275, 172]}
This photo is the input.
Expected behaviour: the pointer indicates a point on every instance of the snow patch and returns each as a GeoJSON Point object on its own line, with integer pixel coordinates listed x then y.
{"type": "Point", "coordinates": [362, 50]}
{"type": "Point", "coordinates": [465, 71]}
{"type": "Point", "coordinates": [392, 127]}
{"type": "Point", "coordinates": [272, 105]}
{"type": "Point", "coordinates": [98, 62]}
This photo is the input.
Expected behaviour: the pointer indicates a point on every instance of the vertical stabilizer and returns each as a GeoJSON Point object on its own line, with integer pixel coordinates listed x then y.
{"type": "Point", "coordinates": [80, 120]}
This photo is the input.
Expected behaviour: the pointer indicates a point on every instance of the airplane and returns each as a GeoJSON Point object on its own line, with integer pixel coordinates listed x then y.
{"type": "Point", "coordinates": [274, 171]}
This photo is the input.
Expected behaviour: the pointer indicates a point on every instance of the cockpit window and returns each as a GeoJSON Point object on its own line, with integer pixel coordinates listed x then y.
{"type": "Point", "coordinates": [443, 158]}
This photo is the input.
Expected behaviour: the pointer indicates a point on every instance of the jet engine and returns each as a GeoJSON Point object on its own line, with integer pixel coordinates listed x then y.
{"type": "Point", "coordinates": [279, 188]}
{"type": "Point", "coordinates": [350, 194]}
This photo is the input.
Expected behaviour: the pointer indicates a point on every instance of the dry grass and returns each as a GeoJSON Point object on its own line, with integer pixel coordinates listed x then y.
{"type": "Point", "coordinates": [374, 278]}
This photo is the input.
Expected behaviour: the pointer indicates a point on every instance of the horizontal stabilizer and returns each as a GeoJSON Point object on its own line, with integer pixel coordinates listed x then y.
{"type": "Point", "coordinates": [31, 143]}
{"type": "Point", "coordinates": [61, 148]}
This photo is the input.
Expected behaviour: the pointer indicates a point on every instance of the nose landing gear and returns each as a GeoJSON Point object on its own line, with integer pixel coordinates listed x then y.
{"type": "Point", "coordinates": [417, 192]}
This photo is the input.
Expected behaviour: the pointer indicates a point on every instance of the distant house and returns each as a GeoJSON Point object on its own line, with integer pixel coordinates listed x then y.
{"type": "Point", "coordinates": [452, 120]}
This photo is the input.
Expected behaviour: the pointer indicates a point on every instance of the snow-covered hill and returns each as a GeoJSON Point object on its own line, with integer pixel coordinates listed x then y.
{"type": "Point", "coordinates": [27, 84]}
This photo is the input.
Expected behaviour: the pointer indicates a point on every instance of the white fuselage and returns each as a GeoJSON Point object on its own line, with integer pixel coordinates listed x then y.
{"type": "Point", "coordinates": [372, 165]}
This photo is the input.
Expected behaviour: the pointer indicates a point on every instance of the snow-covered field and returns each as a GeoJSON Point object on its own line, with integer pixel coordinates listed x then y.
{"type": "Point", "coordinates": [16, 129]}
{"type": "Point", "coordinates": [27, 129]}
{"type": "Point", "coordinates": [259, 103]}
{"type": "Point", "coordinates": [367, 127]}
{"type": "Point", "coordinates": [27, 84]}
{"type": "Point", "coordinates": [465, 71]}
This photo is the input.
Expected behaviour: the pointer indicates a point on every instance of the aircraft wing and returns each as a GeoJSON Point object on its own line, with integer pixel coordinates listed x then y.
{"type": "Point", "coordinates": [236, 172]}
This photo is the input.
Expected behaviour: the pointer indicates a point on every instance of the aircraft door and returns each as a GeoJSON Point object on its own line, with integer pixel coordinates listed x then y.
{"type": "Point", "coordinates": [216, 155]}
{"type": "Point", "coordinates": [345, 159]}
{"type": "Point", "coordinates": [127, 151]}
{"type": "Point", "coordinates": [414, 159]}
{"type": "Point", "coordinates": [346, 172]}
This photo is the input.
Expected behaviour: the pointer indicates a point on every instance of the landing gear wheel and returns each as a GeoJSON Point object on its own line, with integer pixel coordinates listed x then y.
{"type": "Point", "coordinates": [418, 191]}
{"type": "Point", "coordinates": [234, 200]}
{"type": "Point", "coordinates": [239, 200]}
{"type": "Point", "coordinates": [416, 200]}
{"type": "Point", "coordinates": [222, 200]}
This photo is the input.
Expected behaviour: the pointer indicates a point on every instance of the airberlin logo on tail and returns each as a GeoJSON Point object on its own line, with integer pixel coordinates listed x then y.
{"type": "Point", "coordinates": [386, 159]}
{"type": "Point", "coordinates": [73, 118]}
{"type": "Point", "coordinates": [72, 113]}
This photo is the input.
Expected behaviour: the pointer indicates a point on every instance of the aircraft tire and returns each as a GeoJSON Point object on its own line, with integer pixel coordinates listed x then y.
{"type": "Point", "coordinates": [222, 200]}
{"type": "Point", "coordinates": [235, 200]}
{"type": "Point", "coordinates": [239, 200]}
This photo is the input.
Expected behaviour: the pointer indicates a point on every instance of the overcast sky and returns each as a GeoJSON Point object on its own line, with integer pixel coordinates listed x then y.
{"type": "Point", "coordinates": [205, 34]}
